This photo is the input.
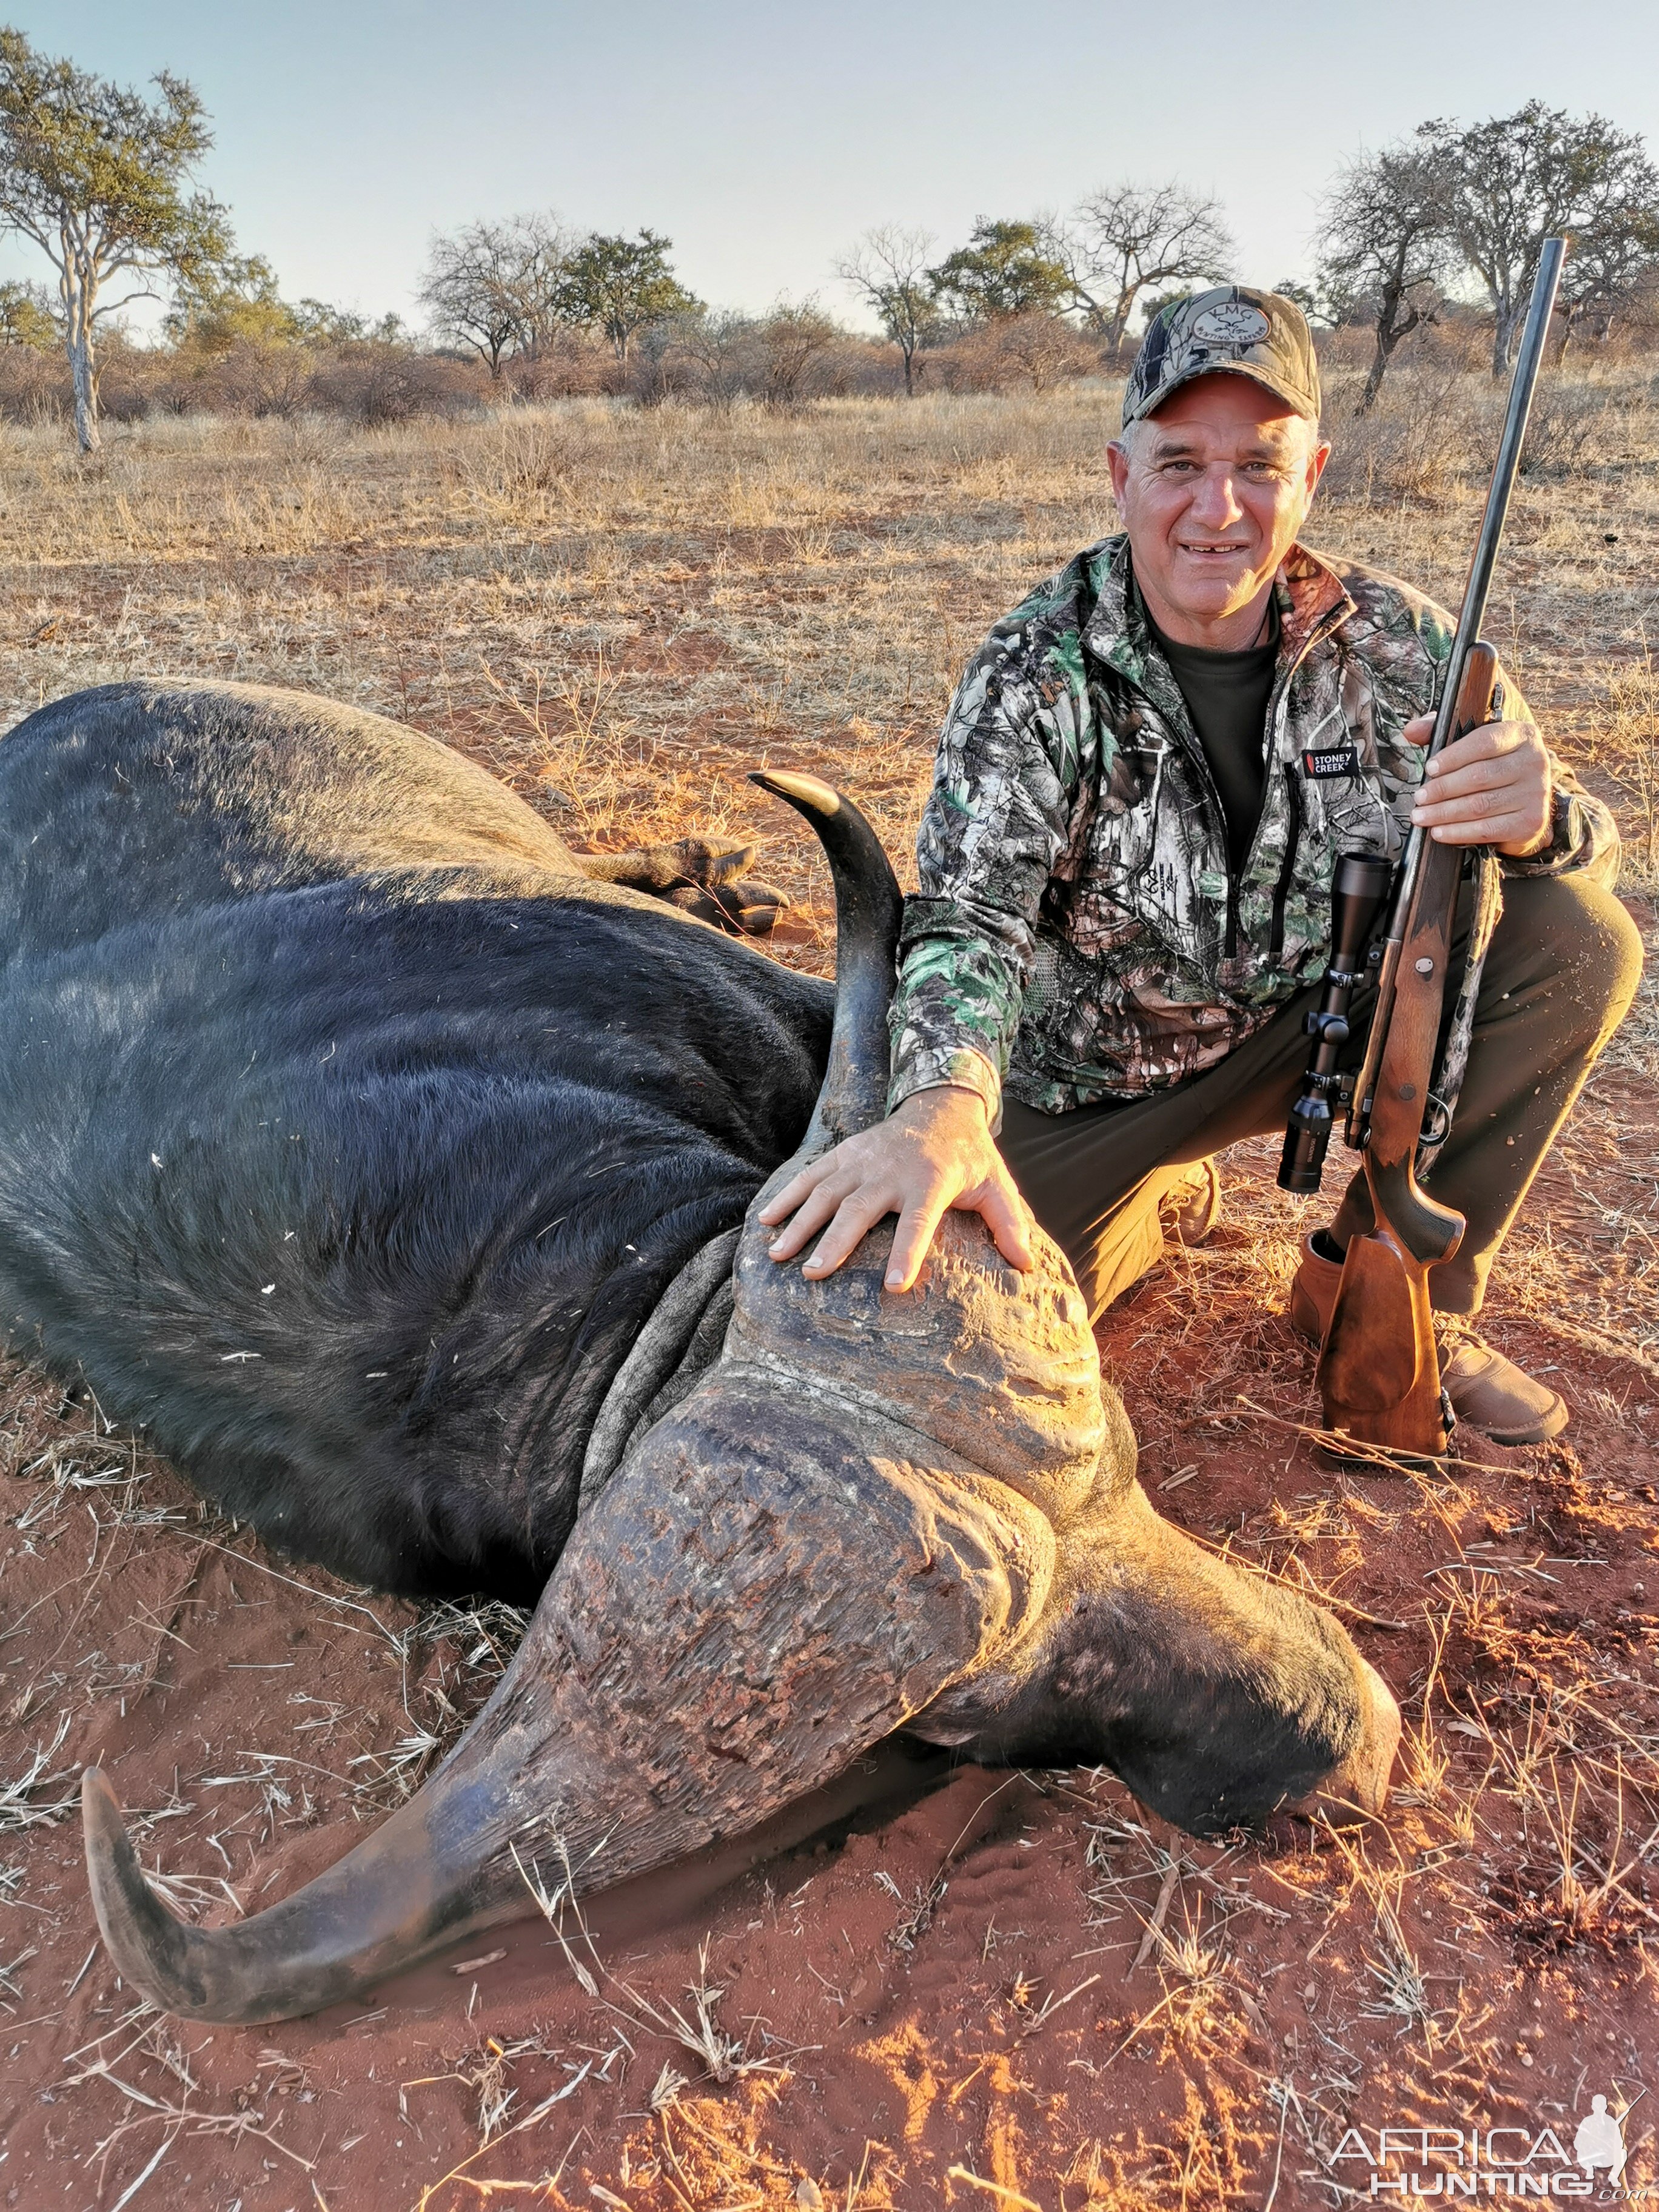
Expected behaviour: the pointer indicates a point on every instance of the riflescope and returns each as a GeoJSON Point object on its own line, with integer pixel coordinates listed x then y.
{"type": "Point", "coordinates": [1359, 887]}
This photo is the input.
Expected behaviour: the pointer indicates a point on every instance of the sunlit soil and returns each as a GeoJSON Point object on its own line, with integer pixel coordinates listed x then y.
{"type": "Point", "coordinates": [1025, 1991]}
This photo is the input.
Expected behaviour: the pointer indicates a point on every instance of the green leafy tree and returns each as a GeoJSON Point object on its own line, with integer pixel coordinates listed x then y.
{"type": "Point", "coordinates": [96, 175]}
{"type": "Point", "coordinates": [26, 318]}
{"type": "Point", "coordinates": [889, 270]}
{"type": "Point", "coordinates": [1315, 307]}
{"type": "Point", "coordinates": [317, 324]}
{"type": "Point", "coordinates": [1006, 268]}
{"type": "Point", "coordinates": [620, 285]}
{"type": "Point", "coordinates": [235, 303]}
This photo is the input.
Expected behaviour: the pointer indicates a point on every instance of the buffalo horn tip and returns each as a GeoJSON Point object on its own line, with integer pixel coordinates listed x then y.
{"type": "Point", "coordinates": [809, 793]}
{"type": "Point", "coordinates": [139, 1933]}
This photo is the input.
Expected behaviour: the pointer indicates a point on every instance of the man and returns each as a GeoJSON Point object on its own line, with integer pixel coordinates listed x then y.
{"type": "Point", "coordinates": [1141, 790]}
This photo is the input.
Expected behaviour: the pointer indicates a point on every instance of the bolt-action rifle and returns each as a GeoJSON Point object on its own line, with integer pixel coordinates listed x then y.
{"type": "Point", "coordinates": [1379, 1370]}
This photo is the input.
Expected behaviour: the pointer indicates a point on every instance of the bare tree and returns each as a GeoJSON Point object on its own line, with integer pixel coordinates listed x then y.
{"type": "Point", "coordinates": [791, 337]}
{"type": "Point", "coordinates": [498, 288]}
{"type": "Point", "coordinates": [95, 175]}
{"type": "Point", "coordinates": [1124, 239]}
{"type": "Point", "coordinates": [888, 268]}
{"type": "Point", "coordinates": [1513, 181]}
{"type": "Point", "coordinates": [1615, 254]}
{"type": "Point", "coordinates": [1384, 248]}
{"type": "Point", "coordinates": [715, 352]}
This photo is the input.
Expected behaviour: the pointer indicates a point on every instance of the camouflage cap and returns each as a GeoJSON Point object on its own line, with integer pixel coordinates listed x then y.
{"type": "Point", "coordinates": [1261, 335]}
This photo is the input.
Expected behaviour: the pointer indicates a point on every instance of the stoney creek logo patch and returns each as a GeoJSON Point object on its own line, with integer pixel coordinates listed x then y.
{"type": "Point", "coordinates": [1326, 760]}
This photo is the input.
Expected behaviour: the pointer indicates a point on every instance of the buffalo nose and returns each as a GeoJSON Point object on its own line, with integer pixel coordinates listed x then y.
{"type": "Point", "coordinates": [1359, 1789]}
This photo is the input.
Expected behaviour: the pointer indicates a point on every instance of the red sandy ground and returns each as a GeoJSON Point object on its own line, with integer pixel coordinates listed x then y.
{"type": "Point", "coordinates": [963, 2007]}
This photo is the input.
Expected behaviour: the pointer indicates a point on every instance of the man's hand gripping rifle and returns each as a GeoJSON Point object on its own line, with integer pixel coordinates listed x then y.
{"type": "Point", "coordinates": [1379, 1370]}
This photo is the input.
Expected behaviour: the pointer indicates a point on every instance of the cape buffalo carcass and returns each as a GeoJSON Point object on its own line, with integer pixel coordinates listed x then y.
{"type": "Point", "coordinates": [399, 1178]}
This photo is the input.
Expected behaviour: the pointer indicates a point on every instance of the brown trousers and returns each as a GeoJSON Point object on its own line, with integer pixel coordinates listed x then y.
{"type": "Point", "coordinates": [1561, 971]}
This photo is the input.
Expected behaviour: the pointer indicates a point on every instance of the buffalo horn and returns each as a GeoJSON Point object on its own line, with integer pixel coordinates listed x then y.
{"type": "Point", "coordinates": [713, 1645]}
{"type": "Point", "coordinates": [868, 910]}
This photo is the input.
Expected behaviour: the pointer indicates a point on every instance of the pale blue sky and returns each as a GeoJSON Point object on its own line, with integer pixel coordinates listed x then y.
{"type": "Point", "coordinates": [764, 139]}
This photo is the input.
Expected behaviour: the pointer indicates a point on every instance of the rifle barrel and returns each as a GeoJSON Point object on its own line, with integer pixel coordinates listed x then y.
{"type": "Point", "coordinates": [1529, 360]}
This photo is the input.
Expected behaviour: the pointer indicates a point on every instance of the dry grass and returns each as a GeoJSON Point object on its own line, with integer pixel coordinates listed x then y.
{"type": "Point", "coordinates": [623, 611]}
{"type": "Point", "coordinates": [604, 605]}
{"type": "Point", "coordinates": [621, 614]}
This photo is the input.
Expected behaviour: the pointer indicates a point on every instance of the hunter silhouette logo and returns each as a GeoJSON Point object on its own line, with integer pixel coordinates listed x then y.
{"type": "Point", "coordinates": [1410, 2163]}
{"type": "Point", "coordinates": [1600, 2141]}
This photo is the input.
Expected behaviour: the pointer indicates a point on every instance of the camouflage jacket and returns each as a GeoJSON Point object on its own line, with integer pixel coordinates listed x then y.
{"type": "Point", "coordinates": [1078, 934]}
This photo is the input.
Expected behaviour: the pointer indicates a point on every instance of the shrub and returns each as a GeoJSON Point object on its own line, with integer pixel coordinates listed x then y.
{"type": "Point", "coordinates": [374, 383]}
{"type": "Point", "coordinates": [1432, 427]}
{"type": "Point", "coordinates": [1035, 351]}
{"type": "Point", "coordinates": [519, 459]}
{"type": "Point", "coordinates": [253, 378]}
{"type": "Point", "coordinates": [791, 343]}
{"type": "Point", "coordinates": [568, 365]}
{"type": "Point", "coordinates": [35, 386]}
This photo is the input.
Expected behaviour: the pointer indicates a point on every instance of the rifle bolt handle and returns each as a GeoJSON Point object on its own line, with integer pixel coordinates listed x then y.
{"type": "Point", "coordinates": [1424, 967]}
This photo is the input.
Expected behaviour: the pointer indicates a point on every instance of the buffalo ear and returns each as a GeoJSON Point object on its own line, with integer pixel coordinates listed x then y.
{"type": "Point", "coordinates": [712, 865]}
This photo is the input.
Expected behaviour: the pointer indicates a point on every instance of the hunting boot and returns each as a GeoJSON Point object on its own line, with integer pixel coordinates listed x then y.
{"type": "Point", "coordinates": [1489, 1392]}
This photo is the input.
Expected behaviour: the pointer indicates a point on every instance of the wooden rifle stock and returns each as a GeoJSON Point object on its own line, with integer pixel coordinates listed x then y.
{"type": "Point", "coordinates": [1379, 1370]}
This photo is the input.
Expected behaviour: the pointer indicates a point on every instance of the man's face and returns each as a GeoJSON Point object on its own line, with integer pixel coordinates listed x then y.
{"type": "Point", "coordinates": [1212, 489]}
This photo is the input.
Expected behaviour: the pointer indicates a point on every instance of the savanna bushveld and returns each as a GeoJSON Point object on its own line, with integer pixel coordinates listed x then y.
{"type": "Point", "coordinates": [1024, 1990]}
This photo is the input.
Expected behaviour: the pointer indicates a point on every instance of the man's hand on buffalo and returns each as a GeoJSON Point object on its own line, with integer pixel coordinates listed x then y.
{"type": "Point", "coordinates": [1490, 788]}
{"type": "Point", "coordinates": [934, 1153]}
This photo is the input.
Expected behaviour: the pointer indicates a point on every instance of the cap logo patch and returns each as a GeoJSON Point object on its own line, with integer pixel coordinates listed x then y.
{"type": "Point", "coordinates": [1231, 322]}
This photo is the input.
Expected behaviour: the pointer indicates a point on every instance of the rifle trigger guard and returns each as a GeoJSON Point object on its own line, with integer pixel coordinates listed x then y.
{"type": "Point", "coordinates": [1437, 1123]}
